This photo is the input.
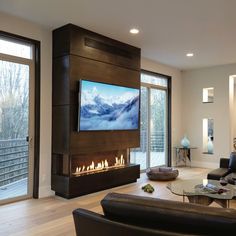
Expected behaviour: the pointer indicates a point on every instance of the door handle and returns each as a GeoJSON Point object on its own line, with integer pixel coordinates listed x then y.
{"type": "Point", "coordinates": [29, 140]}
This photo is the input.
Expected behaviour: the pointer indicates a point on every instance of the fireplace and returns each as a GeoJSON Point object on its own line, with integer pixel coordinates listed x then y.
{"type": "Point", "coordinates": [81, 168]}
{"type": "Point", "coordinates": [92, 172]}
{"type": "Point", "coordinates": [88, 161]}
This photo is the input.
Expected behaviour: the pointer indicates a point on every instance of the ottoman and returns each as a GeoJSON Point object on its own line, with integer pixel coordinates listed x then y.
{"type": "Point", "coordinates": [162, 173]}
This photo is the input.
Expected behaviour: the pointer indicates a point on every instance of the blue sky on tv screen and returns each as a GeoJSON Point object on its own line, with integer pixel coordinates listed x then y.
{"type": "Point", "coordinates": [108, 107]}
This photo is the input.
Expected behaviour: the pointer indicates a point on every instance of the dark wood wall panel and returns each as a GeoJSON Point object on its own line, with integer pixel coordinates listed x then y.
{"type": "Point", "coordinates": [82, 68]}
{"type": "Point", "coordinates": [61, 41]}
{"type": "Point", "coordinates": [103, 141]}
{"type": "Point", "coordinates": [68, 70]}
{"type": "Point", "coordinates": [74, 40]}
{"type": "Point", "coordinates": [61, 81]}
{"type": "Point", "coordinates": [61, 129]}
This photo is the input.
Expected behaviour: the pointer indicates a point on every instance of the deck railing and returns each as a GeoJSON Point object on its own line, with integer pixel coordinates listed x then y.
{"type": "Point", "coordinates": [157, 142]}
{"type": "Point", "coordinates": [13, 160]}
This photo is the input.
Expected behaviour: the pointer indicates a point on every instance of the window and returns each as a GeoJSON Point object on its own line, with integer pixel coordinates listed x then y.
{"type": "Point", "coordinates": [15, 48]}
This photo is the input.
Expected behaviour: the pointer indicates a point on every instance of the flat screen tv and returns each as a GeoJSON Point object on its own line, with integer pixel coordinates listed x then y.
{"type": "Point", "coordinates": [107, 107]}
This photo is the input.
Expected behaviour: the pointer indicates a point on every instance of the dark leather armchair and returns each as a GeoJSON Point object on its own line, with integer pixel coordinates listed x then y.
{"type": "Point", "coordinates": [227, 166]}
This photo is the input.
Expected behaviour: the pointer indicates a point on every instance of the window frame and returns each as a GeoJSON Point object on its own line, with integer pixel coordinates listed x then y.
{"type": "Point", "coordinates": [36, 60]}
{"type": "Point", "coordinates": [169, 115]}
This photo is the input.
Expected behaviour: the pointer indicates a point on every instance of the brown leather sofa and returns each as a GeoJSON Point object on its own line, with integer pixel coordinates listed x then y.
{"type": "Point", "coordinates": [227, 166]}
{"type": "Point", "coordinates": [128, 215]}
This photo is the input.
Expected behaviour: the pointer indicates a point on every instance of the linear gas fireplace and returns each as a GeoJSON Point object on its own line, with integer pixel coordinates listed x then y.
{"type": "Point", "coordinates": [100, 166]}
{"type": "Point", "coordinates": [92, 172]}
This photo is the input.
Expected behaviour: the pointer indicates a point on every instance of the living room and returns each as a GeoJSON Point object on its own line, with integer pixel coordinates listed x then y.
{"type": "Point", "coordinates": [180, 27]}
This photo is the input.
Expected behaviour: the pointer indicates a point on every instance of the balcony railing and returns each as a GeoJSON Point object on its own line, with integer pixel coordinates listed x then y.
{"type": "Point", "coordinates": [157, 142]}
{"type": "Point", "coordinates": [13, 160]}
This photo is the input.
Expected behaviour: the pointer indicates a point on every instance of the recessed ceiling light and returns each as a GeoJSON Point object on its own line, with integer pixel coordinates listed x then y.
{"type": "Point", "coordinates": [134, 31]}
{"type": "Point", "coordinates": [190, 54]}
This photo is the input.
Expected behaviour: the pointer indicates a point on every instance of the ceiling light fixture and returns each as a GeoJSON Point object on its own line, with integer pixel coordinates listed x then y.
{"type": "Point", "coordinates": [134, 31]}
{"type": "Point", "coordinates": [190, 54]}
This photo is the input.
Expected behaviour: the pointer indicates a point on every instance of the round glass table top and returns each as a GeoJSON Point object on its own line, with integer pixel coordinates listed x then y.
{"type": "Point", "coordinates": [203, 187]}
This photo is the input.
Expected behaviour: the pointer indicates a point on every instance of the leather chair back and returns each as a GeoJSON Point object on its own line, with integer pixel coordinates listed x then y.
{"type": "Point", "coordinates": [232, 161]}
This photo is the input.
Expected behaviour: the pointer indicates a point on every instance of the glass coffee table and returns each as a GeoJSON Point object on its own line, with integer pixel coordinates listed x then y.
{"type": "Point", "coordinates": [203, 191]}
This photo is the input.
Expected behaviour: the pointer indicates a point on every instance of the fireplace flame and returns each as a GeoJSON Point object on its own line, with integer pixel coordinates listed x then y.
{"type": "Point", "coordinates": [106, 163]}
{"type": "Point", "coordinates": [120, 161]}
{"type": "Point", "coordinates": [91, 167]}
{"type": "Point", "coordinates": [103, 165]}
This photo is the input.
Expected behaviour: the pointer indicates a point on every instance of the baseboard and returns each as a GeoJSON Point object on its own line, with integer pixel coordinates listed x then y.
{"type": "Point", "coordinates": [45, 191]}
{"type": "Point", "coordinates": [209, 165]}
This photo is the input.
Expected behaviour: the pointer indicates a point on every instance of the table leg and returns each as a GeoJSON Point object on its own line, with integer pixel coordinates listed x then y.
{"type": "Point", "coordinates": [222, 202]}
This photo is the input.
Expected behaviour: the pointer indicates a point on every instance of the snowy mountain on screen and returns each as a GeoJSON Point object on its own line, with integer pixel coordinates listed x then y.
{"type": "Point", "coordinates": [98, 113]}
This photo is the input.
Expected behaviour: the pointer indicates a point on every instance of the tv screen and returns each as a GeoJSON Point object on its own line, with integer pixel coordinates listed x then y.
{"type": "Point", "coordinates": [107, 107]}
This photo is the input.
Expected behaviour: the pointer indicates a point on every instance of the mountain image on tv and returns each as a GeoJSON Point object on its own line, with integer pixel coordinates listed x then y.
{"type": "Point", "coordinates": [108, 107]}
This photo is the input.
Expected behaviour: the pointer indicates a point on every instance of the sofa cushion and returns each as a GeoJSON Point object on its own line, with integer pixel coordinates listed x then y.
{"type": "Point", "coordinates": [163, 214]}
{"type": "Point", "coordinates": [232, 162]}
{"type": "Point", "coordinates": [218, 173]}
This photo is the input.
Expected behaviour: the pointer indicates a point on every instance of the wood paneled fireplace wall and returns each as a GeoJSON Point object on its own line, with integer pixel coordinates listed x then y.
{"type": "Point", "coordinates": [81, 54]}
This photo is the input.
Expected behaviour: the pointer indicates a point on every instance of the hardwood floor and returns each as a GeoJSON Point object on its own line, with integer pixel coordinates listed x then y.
{"type": "Point", "coordinates": [52, 216]}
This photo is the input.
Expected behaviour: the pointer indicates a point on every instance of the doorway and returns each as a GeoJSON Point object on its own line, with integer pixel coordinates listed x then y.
{"type": "Point", "coordinates": [154, 124]}
{"type": "Point", "coordinates": [17, 119]}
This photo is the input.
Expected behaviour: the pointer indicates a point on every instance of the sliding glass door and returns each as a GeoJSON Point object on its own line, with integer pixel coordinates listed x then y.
{"type": "Point", "coordinates": [153, 150]}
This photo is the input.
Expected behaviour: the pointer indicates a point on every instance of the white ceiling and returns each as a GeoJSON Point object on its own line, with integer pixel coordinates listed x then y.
{"type": "Point", "coordinates": [168, 28]}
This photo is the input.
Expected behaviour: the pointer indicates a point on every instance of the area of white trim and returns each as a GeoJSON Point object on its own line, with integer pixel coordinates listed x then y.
{"type": "Point", "coordinates": [45, 191]}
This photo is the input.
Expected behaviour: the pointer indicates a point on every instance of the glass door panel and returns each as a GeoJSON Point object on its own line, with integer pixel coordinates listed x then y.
{"type": "Point", "coordinates": [14, 123]}
{"type": "Point", "coordinates": [153, 150]}
{"type": "Point", "coordinates": [158, 127]}
{"type": "Point", "coordinates": [139, 155]}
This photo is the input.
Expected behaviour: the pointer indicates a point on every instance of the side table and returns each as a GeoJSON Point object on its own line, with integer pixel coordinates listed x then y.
{"type": "Point", "coordinates": [182, 154]}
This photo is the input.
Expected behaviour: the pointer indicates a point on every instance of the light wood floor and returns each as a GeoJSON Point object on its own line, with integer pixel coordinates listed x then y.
{"type": "Point", "coordinates": [52, 216]}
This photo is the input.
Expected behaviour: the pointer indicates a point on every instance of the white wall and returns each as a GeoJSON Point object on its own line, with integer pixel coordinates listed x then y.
{"type": "Point", "coordinates": [194, 111]}
{"type": "Point", "coordinates": [24, 28]}
{"type": "Point", "coordinates": [176, 99]}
